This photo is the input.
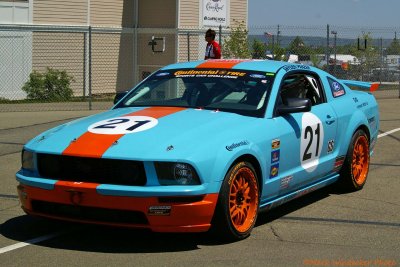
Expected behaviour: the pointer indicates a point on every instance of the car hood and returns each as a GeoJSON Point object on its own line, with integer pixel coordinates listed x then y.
{"type": "Point", "coordinates": [153, 134]}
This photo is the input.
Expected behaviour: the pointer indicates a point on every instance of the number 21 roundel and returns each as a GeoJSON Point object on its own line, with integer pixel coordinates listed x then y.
{"type": "Point", "coordinates": [123, 125]}
{"type": "Point", "coordinates": [312, 136]}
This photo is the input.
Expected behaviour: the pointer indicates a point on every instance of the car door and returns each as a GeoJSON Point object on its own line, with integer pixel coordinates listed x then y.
{"type": "Point", "coordinates": [306, 139]}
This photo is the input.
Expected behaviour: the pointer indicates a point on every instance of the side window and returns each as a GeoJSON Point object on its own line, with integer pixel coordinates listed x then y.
{"type": "Point", "coordinates": [336, 88]}
{"type": "Point", "coordinates": [301, 86]}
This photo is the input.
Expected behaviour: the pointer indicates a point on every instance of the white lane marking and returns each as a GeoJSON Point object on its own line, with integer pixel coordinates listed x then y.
{"type": "Point", "coordinates": [28, 242]}
{"type": "Point", "coordinates": [389, 132]}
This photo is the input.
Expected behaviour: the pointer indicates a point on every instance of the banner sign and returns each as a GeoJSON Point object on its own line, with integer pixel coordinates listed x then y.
{"type": "Point", "coordinates": [215, 13]}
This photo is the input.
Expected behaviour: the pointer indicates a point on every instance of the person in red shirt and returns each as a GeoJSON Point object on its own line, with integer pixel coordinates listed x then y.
{"type": "Point", "coordinates": [213, 50]}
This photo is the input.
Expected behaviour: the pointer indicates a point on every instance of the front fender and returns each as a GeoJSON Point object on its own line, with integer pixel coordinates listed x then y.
{"type": "Point", "coordinates": [226, 158]}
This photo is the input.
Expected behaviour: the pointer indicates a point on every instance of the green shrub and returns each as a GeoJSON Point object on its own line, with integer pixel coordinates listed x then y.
{"type": "Point", "coordinates": [53, 85]}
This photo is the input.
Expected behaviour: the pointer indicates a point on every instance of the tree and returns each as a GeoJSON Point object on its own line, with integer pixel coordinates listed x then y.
{"type": "Point", "coordinates": [258, 49]}
{"type": "Point", "coordinates": [297, 47]}
{"type": "Point", "coordinates": [370, 58]}
{"type": "Point", "coordinates": [54, 85]}
{"type": "Point", "coordinates": [236, 45]}
{"type": "Point", "coordinates": [394, 48]}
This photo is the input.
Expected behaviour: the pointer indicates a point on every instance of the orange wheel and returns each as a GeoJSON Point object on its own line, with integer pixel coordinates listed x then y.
{"type": "Point", "coordinates": [238, 202]}
{"type": "Point", "coordinates": [356, 165]}
{"type": "Point", "coordinates": [243, 199]}
{"type": "Point", "coordinates": [360, 162]}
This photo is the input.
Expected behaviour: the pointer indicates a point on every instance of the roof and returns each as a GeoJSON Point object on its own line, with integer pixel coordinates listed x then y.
{"type": "Point", "coordinates": [244, 64]}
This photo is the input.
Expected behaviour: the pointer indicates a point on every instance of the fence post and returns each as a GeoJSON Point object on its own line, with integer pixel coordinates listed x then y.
{"type": "Point", "coordinates": [188, 45]}
{"type": "Point", "coordinates": [90, 68]}
{"type": "Point", "coordinates": [220, 35]}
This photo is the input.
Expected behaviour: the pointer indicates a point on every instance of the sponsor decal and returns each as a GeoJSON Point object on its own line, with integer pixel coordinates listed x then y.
{"type": "Point", "coordinates": [276, 143]}
{"type": "Point", "coordinates": [372, 122]}
{"type": "Point", "coordinates": [296, 67]}
{"type": "Point", "coordinates": [338, 163]}
{"type": "Point", "coordinates": [362, 105]}
{"type": "Point", "coordinates": [236, 145]}
{"type": "Point", "coordinates": [257, 76]}
{"type": "Point", "coordinates": [336, 88]}
{"type": "Point", "coordinates": [274, 170]}
{"type": "Point", "coordinates": [275, 156]}
{"type": "Point", "coordinates": [161, 74]}
{"type": "Point", "coordinates": [331, 145]}
{"type": "Point", "coordinates": [285, 181]}
{"type": "Point", "coordinates": [159, 210]}
{"type": "Point", "coordinates": [218, 73]}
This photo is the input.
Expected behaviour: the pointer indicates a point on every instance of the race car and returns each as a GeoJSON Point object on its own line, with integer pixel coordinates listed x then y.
{"type": "Point", "coordinates": [204, 145]}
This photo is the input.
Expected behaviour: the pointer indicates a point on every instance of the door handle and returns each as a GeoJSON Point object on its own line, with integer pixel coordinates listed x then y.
{"type": "Point", "coordinates": [329, 120]}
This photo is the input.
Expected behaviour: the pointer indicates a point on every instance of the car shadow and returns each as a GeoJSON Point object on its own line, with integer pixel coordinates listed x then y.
{"type": "Point", "coordinates": [93, 238]}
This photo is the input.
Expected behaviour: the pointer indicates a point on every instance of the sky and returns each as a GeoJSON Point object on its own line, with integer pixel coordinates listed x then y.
{"type": "Point", "coordinates": [349, 13]}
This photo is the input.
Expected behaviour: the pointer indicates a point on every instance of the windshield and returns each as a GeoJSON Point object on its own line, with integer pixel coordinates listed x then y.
{"type": "Point", "coordinates": [238, 91]}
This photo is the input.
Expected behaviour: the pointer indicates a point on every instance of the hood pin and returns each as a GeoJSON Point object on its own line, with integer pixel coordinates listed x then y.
{"type": "Point", "coordinates": [169, 148]}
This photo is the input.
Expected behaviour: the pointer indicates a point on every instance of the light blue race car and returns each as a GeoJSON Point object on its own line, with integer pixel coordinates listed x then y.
{"type": "Point", "coordinates": [204, 145]}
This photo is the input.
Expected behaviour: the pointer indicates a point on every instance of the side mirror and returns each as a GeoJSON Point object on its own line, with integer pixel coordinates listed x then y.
{"type": "Point", "coordinates": [119, 96]}
{"type": "Point", "coordinates": [294, 105]}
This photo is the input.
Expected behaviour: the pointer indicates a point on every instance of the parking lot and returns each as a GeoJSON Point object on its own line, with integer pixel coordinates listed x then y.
{"type": "Point", "coordinates": [324, 228]}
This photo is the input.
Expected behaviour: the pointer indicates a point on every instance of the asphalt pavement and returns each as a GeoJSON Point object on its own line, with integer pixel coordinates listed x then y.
{"type": "Point", "coordinates": [324, 228]}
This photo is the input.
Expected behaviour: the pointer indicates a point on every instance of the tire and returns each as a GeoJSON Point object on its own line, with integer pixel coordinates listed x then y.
{"type": "Point", "coordinates": [238, 203]}
{"type": "Point", "coordinates": [356, 165]}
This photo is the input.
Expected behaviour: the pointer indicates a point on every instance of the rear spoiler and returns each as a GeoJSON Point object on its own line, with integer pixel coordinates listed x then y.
{"type": "Point", "coordinates": [365, 85]}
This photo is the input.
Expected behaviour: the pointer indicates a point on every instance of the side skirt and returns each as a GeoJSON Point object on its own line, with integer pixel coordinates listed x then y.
{"type": "Point", "coordinates": [298, 193]}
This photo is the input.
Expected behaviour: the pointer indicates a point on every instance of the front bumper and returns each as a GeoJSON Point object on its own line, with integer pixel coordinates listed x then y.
{"type": "Point", "coordinates": [82, 202]}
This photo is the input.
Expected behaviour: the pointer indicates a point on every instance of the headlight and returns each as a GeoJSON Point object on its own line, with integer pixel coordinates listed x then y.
{"type": "Point", "coordinates": [27, 160]}
{"type": "Point", "coordinates": [170, 173]}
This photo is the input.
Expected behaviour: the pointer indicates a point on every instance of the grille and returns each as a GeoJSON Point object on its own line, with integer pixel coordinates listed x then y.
{"type": "Point", "coordinates": [89, 213]}
{"type": "Point", "coordinates": [91, 170]}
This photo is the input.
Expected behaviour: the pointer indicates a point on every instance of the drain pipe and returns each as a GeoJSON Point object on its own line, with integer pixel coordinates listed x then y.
{"type": "Point", "coordinates": [135, 43]}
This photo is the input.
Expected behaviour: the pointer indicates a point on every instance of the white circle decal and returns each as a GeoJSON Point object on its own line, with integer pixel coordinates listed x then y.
{"type": "Point", "coordinates": [123, 125]}
{"type": "Point", "coordinates": [312, 136]}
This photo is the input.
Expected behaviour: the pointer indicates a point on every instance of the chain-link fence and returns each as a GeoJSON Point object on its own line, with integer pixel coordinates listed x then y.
{"type": "Point", "coordinates": [371, 54]}
{"type": "Point", "coordinates": [72, 68]}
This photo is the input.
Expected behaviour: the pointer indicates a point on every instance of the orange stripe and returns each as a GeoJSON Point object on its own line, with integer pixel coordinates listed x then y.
{"type": "Point", "coordinates": [220, 63]}
{"type": "Point", "coordinates": [156, 112]}
{"type": "Point", "coordinates": [95, 145]}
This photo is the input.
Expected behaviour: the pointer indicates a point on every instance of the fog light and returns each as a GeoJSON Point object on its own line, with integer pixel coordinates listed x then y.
{"type": "Point", "coordinates": [170, 173]}
{"type": "Point", "coordinates": [183, 173]}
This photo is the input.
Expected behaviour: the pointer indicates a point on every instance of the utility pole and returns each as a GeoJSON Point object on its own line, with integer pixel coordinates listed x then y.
{"type": "Point", "coordinates": [277, 36]}
{"type": "Point", "coordinates": [327, 55]}
{"type": "Point", "coordinates": [334, 51]}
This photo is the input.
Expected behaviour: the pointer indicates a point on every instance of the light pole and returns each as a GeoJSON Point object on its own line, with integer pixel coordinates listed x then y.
{"type": "Point", "coordinates": [334, 50]}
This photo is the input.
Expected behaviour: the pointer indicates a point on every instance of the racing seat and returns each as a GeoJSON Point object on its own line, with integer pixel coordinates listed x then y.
{"type": "Point", "coordinates": [197, 95]}
{"type": "Point", "coordinates": [253, 96]}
